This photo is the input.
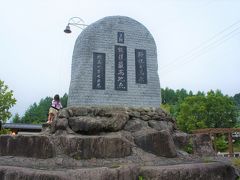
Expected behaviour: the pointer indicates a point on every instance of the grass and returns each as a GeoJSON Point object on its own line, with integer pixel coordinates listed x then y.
{"type": "Point", "coordinates": [236, 162]}
{"type": "Point", "coordinates": [236, 147]}
{"type": "Point", "coordinates": [115, 166]}
{"type": "Point", "coordinates": [207, 159]}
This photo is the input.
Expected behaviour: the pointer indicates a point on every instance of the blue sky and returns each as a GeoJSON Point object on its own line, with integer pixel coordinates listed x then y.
{"type": "Point", "coordinates": [198, 43]}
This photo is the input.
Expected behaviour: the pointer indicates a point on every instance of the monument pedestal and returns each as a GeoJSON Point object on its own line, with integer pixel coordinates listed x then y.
{"type": "Point", "coordinates": [104, 143]}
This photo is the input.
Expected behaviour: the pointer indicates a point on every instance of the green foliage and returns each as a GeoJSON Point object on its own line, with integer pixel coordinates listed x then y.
{"type": "Point", "coordinates": [189, 147]}
{"type": "Point", "coordinates": [221, 143]}
{"type": "Point", "coordinates": [171, 99]}
{"type": "Point", "coordinates": [221, 110]}
{"type": "Point", "coordinates": [236, 98]}
{"type": "Point", "coordinates": [192, 114]}
{"type": "Point", "coordinates": [236, 145]}
{"type": "Point", "coordinates": [213, 110]}
{"type": "Point", "coordinates": [37, 113]}
{"type": "Point", "coordinates": [207, 159]}
{"type": "Point", "coordinates": [169, 96]}
{"type": "Point", "coordinates": [16, 118]}
{"type": "Point", "coordinates": [5, 131]}
{"type": "Point", "coordinates": [166, 107]}
{"type": "Point", "coordinates": [64, 100]}
{"type": "Point", "coordinates": [113, 166]}
{"type": "Point", "coordinates": [6, 101]}
{"type": "Point", "coordinates": [140, 178]}
{"type": "Point", "coordinates": [236, 162]}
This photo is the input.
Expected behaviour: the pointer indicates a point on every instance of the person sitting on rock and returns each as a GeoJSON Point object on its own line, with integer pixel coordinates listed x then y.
{"type": "Point", "coordinates": [55, 107]}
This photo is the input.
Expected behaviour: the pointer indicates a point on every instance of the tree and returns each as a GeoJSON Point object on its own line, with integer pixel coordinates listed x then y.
{"type": "Point", "coordinates": [236, 98]}
{"type": "Point", "coordinates": [168, 96]}
{"type": "Point", "coordinates": [38, 112]}
{"type": "Point", "coordinates": [16, 118]}
{"type": "Point", "coordinates": [192, 114]}
{"type": "Point", "coordinates": [64, 100]}
{"type": "Point", "coordinates": [213, 111]}
{"type": "Point", "coordinates": [6, 101]}
{"type": "Point", "coordinates": [221, 110]}
{"type": "Point", "coordinates": [171, 99]}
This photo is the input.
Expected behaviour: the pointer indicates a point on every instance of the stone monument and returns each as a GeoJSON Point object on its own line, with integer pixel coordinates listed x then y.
{"type": "Point", "coordinates": [115, 63]}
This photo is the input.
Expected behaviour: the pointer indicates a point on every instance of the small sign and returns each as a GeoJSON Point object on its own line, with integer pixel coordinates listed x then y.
{"type": "Point", "coordinates": [121, 68]}
{"type": "Point", "coordinates": [120, 37]}
{"type": "Point", "coordinates": [141, 66]}
{"type": "Point", "coordinates": [98, 80]}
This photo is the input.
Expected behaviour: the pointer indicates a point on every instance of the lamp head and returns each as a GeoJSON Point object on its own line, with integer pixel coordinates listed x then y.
{"type": "Point", "coordinates": [67, 29]}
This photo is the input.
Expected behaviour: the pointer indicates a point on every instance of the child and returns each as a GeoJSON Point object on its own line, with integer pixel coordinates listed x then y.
{"type": "Point", "coordinates": [55, 107]}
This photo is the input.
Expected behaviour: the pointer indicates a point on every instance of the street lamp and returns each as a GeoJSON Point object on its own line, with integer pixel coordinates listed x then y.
{"type": "Point", "coordinates": [74, 21]}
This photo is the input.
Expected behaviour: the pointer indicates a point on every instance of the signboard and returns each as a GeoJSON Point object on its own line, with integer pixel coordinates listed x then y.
{"type": "Point", "coordinates": [120, 37]}
{"type": "Point", "coordinates": [121, 68]}
{"type": "Point", "coordinates": [98, 80]}
{"type": "Point", "coordinates": [141, 66]}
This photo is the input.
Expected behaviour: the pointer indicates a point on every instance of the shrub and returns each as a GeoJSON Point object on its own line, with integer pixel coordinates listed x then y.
{"type": "Point", "coordinates": [221, 143]}
{"type": "Point", "coordinates": [5, 131]}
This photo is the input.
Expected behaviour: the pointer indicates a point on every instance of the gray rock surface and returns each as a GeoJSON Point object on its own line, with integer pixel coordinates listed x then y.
{"type": "Point", "coordinates": [156, 142]}
{"type": "Point", "coordinates": [161, 125]}
{"type": "Point", "coordinates": [100, 173]}
{"type": "Point", "coordinates": [86, 147]}
{"type": "Point", "coordinates": [201, 171]}
{"type": "Point", "coordinates": [27, 146]}
{"type": "Point", "coordinates": [92, 125]}
{"type": "Point", "coordinates": [181, 139]}
{"type": "Point", "coordinates": [135, 125]}
{"type": "Point", "coordinates": [196, 171]}
{"type": "Point", "coordinates": [202, 145]}
{"type": "Point", "coordinates": [78, 147]}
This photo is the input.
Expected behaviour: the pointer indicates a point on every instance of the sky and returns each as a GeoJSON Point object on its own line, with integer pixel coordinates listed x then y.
{"type": "Point", "coordinates": [198, 43]}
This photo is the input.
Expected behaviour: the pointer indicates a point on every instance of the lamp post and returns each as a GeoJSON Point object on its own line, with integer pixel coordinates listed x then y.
{"type": "Point", "coordinates": [74, 21]}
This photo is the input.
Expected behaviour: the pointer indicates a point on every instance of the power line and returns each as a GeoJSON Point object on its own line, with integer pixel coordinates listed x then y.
{"type": "Point", "coordinates": [210, 46]}
{"type": "Point", "coordinates": [192, 51]}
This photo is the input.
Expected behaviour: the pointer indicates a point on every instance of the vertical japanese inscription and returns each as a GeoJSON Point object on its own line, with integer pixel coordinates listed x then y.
{"type": "Point", "coordinates": [121, 68]}
{"type": "Point", "coordinates": [98, 80]}
{"type": "Point", "coordinates": [141, 66]}
{"type": "Point", "coordinates": [120, 37]}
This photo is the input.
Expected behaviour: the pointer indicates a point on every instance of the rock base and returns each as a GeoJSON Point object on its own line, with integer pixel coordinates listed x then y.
{"type": "Point", "coordinates": [75, 146]}
{"type": "Point", "coordinates": [200, 171]}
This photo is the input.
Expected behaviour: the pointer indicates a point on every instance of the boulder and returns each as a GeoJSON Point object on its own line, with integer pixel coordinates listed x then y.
{"type": "Point", "coordinates": [63, 113]}
{"type": "Point", "coordinates": [202, 145]}
{"type": "Point", "coordinates": [199, 171]}
{"type": "Point", "coordinates": [86, 147]}
{"type": "Point", "coordinates": [27, 146]}
{"type": "Point", "coordinates": [93, 125]}
{"type": "Point", "coordinates": [161, 125]}
{"type": "Point", "coordinates": [159, 143]}
{"type": "Point", "coordinates": [181, 139]}
{"type": "Point", "coordinates": [135, 125]}
{"type": "Point", "coordinates": [134, 114]}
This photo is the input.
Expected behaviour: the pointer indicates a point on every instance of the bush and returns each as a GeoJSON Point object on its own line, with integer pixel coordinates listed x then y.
{"type": "Point", "coordinates": [189, 147]}
{"type": "Point", "coordinates": [236, 162]}
{"type": "Point", "coordinates": [221, 143]}
{"type": "Point", "coordinates": [5, 131]}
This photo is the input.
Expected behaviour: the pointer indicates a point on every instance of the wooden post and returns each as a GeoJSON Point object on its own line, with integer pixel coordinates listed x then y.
{"type": "Point", "coordinates": [230, 144]}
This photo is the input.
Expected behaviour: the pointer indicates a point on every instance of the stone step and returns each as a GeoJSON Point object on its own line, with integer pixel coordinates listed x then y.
{"type": "Point", "coordinates": [198, 171]}
{"type": "Point", "coordinates": [78, 147]}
